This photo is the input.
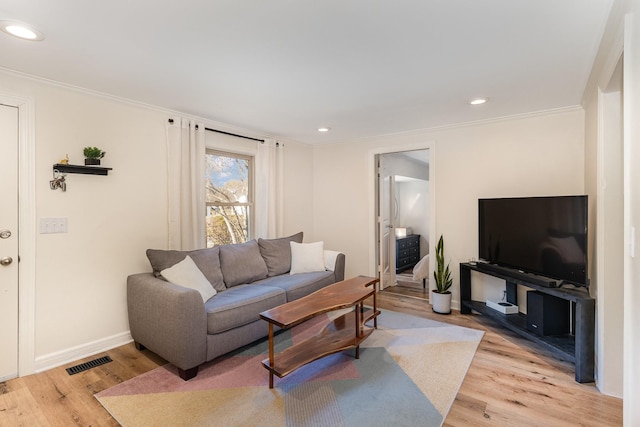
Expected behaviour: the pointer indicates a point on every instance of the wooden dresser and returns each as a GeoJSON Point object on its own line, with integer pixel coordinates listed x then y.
{"type": "Point", "coordinates": [407, 252]}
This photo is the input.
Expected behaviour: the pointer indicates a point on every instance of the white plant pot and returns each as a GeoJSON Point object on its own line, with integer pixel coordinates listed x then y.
{"type": "Point", "coordinates": [441, 303]}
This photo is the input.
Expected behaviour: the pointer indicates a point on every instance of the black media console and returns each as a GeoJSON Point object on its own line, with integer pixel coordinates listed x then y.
{"type": "Point", "coordinates": [577, 346]}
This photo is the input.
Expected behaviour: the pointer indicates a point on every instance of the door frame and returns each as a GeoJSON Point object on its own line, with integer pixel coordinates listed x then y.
{"type": "Point", "coordinates": [610, 246]}
{"type": "Point", "coordinates": [26, 229]}
{"type": "Point", "coordinates": [373, 178]}
{"type": "Point", "coordinates": [386, 186]}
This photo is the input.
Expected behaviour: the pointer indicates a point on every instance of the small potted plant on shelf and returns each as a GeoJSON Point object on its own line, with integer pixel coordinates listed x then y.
{"type": "Point", "coordinates": [93, 155]}
{"type": "Point", "coordinates": [441, 296]}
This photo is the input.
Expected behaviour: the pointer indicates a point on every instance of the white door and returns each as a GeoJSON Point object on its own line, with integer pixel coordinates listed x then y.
{"type": "Point", "coordinates": [387, 249]}
{"type": "Point", "coordinates": [8, 242]}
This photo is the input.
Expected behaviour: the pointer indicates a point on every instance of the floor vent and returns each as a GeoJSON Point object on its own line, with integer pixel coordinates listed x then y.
{"type": "Point", "coordinates": [88, 365]}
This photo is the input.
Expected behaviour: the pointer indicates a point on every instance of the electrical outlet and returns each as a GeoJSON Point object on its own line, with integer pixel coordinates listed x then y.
{"type": "Point", "coordinates": [54, 225]}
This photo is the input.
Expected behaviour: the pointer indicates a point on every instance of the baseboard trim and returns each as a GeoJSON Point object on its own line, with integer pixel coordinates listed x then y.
{"type": "Point", "coordinates": [63, 357]}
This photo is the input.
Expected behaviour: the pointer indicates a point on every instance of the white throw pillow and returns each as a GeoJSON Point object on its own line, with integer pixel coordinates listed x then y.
{"type": "Point", "coordinates": [307, 257]}
{"type": "Point", "coordinates": [187, 274]}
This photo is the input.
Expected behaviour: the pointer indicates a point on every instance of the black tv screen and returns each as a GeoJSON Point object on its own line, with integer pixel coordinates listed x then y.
{"type": "Point", "coordinates": [546, 236]}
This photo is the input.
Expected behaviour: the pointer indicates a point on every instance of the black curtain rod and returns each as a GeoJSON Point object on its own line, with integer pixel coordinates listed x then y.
{"type": "Point", "coordinates": [228, 133]}
{"type": "Point", "coordinates": [234, 134]}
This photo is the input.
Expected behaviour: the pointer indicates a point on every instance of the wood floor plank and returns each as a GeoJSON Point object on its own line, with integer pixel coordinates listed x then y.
{"type": "Point", "coordinates": [17, 405]}
{"type": "Point", "coordinates": [510, 382]}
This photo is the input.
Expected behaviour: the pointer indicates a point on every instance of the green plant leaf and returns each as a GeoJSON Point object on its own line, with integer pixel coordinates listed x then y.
{"type": "Point", "coordinates": [442, 274]}
{"type": "Point", "coordinates": [93, 153]}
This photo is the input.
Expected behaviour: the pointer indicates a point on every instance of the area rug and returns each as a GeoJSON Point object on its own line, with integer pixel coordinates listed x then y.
{"type": "Point", "coordinates": [408, 374]}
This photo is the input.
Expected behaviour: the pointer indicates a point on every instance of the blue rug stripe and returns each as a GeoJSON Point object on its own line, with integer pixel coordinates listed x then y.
{"type": "Point", "coordinates": [383, 384]}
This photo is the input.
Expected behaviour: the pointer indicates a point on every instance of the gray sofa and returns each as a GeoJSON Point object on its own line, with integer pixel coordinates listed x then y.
{"type": "Point", "coordinates": [185, 327]}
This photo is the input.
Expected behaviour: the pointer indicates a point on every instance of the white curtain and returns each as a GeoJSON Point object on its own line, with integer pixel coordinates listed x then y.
{"type": "Point", "coordinates": [268, 189]}
{"type": "Point", "coordinates": [186, 180]}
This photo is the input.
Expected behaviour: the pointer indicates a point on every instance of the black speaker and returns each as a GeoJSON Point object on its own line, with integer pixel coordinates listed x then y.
{"type": "Point", "coordinates": [546, 314]}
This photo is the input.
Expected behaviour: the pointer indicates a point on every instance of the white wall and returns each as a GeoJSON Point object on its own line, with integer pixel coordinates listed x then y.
{"type": "Point", "coordinates": [617, 300]}
{"type": "Point", "coordinates": [80, 285]}
{"type": "Point", "coordinates": [413, 210]}
{"type": "Point", "coordinates": [298, 199]}
{"type": "Point", "coordinates": [81, 275]}
{"type": "Point", "coordinates": [622, 34]}
{"type": "Point", "coordinates": [631, 389]}
{"type": "Point", "coordinates": [535, 155]}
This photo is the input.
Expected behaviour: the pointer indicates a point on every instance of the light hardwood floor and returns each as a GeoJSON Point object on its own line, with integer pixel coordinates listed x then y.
{"type": "Point", "coordinates": [510, 383]}
{"type": "Point", "coordinates": [408, 287]}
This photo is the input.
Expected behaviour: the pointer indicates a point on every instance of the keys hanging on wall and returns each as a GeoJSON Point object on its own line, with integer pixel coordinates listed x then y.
{"type": "Point", "coordinates": [58, 181]}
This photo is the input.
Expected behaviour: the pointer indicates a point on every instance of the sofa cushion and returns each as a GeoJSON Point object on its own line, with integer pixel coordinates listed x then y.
{"type": "Point", "coordinates": [307, 257]}
{"type": "Point", "coordinates": [277, 253]}
{"type": "Point", "coordinates": [187, 274]}
{"type": "Point", "coordinates": [298, 285]}
{"type": "Point", "coordinates": [240, 305]}
{"type": "Point", "coordinates": [242, 263]}
{"type": "Point", "coordinates": [207, 260]}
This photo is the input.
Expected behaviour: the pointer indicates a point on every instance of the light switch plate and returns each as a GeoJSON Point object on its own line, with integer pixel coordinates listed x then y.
{"type": "Point", "coordinates": [54, 225]}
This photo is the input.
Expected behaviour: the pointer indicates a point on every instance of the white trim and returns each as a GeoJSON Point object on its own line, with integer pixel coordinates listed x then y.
{"type": "Point", "coordinates": [372, 178]}
{"type": "Point", "coordinates": [421, 131]}
{"type": "Point", "coordinates": [608, 377]}
{"type": "Point", "coordinates": [132, 103]}
{"type": "Point", "coordinates": [26, 230]}
{"type": "Point", "coordinates": [631, 107]}
{"type": "Point", "coordinates": [609, 61]}
{"type": "Point", "coordinates": [69, 355]}
{"type": "Point", "coordinates": [599, 243]}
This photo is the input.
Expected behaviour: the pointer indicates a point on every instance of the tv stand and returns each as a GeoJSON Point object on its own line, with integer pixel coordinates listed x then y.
{"type": "Point", "coordinates": [577, 347]}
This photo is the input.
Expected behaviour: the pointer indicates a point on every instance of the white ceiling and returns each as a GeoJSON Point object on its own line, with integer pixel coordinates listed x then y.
{"type": "Point", "coordinates": [285, 67]}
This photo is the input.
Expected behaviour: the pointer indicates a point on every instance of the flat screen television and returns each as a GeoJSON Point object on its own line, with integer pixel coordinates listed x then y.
{"type": "Point", "coordinates": [546, 236]}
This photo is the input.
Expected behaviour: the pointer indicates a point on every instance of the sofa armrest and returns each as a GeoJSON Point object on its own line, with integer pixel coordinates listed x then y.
{"type": "Point", "coordinates": [339, 268]}
{"type": "Point", "coordinates": [334, 261]}
{"type": "Point", "coordinates": [167, 319]}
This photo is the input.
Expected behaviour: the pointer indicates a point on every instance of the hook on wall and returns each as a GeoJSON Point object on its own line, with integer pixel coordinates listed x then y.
{"type": "Point", "coordinates": [58, 181]}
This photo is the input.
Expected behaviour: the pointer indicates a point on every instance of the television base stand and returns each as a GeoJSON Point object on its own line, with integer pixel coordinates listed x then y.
{"type": "Point", "coordinates": [576, 347]}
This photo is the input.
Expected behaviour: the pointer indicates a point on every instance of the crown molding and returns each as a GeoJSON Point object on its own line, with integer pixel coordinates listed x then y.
{"type": "Point", "coordinates": [209, 122]}
{"type": "Point", "coordinates": [422, 131]}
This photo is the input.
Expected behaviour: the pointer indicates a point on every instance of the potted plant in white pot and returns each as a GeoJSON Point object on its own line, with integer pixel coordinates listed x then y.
{"type": "Point", "coordinates": [441, 296]}
{"type": "Point", "coordinates": [92, 155]}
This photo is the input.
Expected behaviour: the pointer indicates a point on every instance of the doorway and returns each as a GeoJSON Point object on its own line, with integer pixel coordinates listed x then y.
{"type": "Point", "coordinates": [9, 242]}
{"type": "Point", "coordinates": [403, 213]}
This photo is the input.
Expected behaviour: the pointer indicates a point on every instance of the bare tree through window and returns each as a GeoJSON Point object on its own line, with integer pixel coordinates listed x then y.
{"type": "Point", "coordinates": [229, 198]}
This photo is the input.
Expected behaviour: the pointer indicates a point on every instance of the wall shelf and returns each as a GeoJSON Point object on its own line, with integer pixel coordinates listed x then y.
{"type": "Point", "coordinates": [86, 170]}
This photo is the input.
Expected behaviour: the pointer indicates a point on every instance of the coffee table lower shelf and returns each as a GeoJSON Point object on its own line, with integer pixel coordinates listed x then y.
{"type": "Point", "coordinates": [335, 337]}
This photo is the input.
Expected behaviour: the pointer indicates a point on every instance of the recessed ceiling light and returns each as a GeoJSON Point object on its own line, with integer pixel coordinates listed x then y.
{"type": "Point", "coordinates": [324, 129]}
{"type": "Point", "coordinates": [478, 101]}
{"type": "Point", "coordinates": [20, 30]}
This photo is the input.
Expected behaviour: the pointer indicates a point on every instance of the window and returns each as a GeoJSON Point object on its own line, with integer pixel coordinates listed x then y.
{"type": "Point", "coordinates": [229, 198]}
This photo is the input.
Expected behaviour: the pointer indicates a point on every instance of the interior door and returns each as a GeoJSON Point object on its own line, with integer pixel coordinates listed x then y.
{"type": "Point", "coordinates": [8, 242]}
{"type": "Point", "coordinates": [387, 249]}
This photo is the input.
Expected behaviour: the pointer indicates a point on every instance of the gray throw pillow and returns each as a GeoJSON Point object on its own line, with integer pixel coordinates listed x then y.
{"type": "Point", "coordinates": [277, 253]}
{"type": "Point", "coordinates": [207, 260]}
{"type": "Point", "coordinates": [242, 263]}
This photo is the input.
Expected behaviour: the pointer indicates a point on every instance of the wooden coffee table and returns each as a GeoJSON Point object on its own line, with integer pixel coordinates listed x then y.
{"type": "Point", "coordinates": [345, 332]}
